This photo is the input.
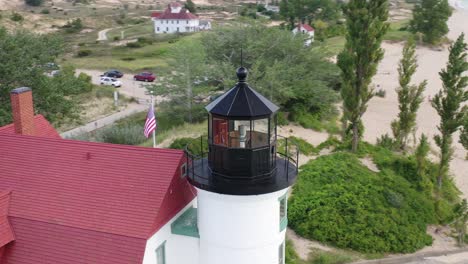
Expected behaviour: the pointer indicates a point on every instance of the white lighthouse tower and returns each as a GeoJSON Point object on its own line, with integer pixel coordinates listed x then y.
{"type": "Point", "coordinates": [243, 182]}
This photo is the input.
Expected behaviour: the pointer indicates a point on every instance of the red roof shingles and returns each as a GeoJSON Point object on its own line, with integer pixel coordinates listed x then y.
{"type": "Point", "coordinates": [6, 232]}
{"type": "Point", "coordinates": [306, 27]}
{"type": "Point", "coordinates": [85, 194]}
{"type": "Point", "coordinates": [43, 128]}
{"type": "Point", "coordinates": [183, 14]}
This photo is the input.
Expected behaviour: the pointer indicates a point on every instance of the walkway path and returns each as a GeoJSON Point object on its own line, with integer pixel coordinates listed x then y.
{"type": "Point", "coordinates": [130, 110]}
{"type": "Point", "coordinates": [102, 35]}
{"type": "Point", "coordinates": [458, 256]}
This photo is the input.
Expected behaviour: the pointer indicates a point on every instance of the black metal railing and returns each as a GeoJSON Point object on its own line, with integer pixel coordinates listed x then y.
{"type": "Point", "coordinates": [198, 165]}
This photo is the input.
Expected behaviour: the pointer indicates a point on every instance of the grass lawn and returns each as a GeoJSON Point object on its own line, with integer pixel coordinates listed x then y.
{"type": "Point", "coordinates": [132, 31]}
{"type": "Point", "coordinates": [395, 32]}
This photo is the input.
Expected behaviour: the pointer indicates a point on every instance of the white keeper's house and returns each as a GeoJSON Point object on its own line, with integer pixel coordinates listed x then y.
{"type": "Point", "coordinates": [176, 19]}
{"type": "Point", "coordinates": [68, 201]}
{"type": "Point", "coordinates": [307, 30]}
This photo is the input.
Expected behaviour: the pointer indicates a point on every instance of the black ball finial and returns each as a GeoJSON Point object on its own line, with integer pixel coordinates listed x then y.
{"type": "Point", "coordinates": [242, 74]}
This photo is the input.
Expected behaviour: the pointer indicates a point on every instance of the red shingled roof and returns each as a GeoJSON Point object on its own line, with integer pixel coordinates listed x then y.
{"type": "Point", "coordinates": [6, 232]}
{"type": "Point", "coordinates": [184, 14]}
{"type": "Point", "coordinates": [83, 202]}
{"type": "Point", "coordinates": [306, 27]}
{"type": "Point", "coordinates": [43, 128]}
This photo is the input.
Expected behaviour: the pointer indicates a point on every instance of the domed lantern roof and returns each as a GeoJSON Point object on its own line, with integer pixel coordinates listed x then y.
{"type": "Point", "coordinates": [242, 101]}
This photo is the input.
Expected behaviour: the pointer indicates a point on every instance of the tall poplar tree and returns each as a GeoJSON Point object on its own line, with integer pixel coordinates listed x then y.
{"type": "Point", "coordinates": [430, 18]}
{"type": "Point", "coordinates": [448, 104]}
{"type": "Point", "coordinates": [464, 132]}
{"type": "Point", "coordinates": [366, 25]}
{"type": "Point", "coordinates": [410, 97]}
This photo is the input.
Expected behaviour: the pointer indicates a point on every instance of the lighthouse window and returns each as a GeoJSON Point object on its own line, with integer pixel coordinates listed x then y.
{"type": "Point", "coordinates": [281, 259]}
{"type": "Point", "coordinates": [161, 254]}
{"type": "Point", "coordinates": [260, 133]}
{"type": "Point", "coordinates": [283, 212]}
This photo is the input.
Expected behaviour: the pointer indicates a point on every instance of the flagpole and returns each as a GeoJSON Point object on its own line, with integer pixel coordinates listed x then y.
{"type": "Point", "coordinates": [154, 131]}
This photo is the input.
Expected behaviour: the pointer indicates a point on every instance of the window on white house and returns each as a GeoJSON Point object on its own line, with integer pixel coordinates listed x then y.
{"type": "Point", "coordinates": [177, 29]}
{"type": "Point", "coordinates": [161, 254]}
{"type": "Point", "coordinates": [280, 254]}
{"type": "Point", "coordinates": [172, 21]}
{"type": "Point", "coordinates": [167, 29]}
{"type": "Point", "coordinates": [157, 29]}
{"type": "Point", "coordinates": [186, 21]}
{"type": "Point", "coordinates": [177, 21]}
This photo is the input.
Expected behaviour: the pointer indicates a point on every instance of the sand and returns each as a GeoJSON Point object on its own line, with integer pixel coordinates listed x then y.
{"type": "Point", "coordinates": [382, 111]}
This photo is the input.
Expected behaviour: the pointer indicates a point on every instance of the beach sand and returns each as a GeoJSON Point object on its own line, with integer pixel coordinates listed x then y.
{"type": "Point", "coordinates": [382, 111]}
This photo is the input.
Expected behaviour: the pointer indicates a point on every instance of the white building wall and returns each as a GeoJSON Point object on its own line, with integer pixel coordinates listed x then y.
{"type": "Point", "coordinates": [176, 25]}
{"type": "Point", "coordinates": [179, 249]}
{"type": "Point", "coordinates": [239, 229]}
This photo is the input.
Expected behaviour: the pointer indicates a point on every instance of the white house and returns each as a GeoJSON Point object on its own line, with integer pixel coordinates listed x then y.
{"type": "Point", "coordinates": [177, 19]}
{"type": "Point", "coordinates": [307, 30]}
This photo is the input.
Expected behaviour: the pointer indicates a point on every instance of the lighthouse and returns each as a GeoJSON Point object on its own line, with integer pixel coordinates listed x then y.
{"type": "Point", "coordinates": [243, 180]}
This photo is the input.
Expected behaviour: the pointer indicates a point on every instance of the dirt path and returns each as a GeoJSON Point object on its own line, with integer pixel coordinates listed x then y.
{"type": "Point", "coordinates": [102, 35]}
{"type": "Point", "coordinates": [304, 246]}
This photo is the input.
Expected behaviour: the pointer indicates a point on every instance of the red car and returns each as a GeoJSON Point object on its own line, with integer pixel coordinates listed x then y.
{"type": "Point", "coordinates": [145, 77]}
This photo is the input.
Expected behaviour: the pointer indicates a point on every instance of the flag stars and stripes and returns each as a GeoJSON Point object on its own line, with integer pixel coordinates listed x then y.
{"type": "Point", "coordinates": [150, 124]}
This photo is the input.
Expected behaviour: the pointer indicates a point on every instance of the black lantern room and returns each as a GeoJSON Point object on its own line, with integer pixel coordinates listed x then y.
{"type": "Point", "coordinates": [242, 156]}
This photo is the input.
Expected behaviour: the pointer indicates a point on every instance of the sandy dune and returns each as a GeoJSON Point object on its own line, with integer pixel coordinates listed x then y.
{"type": "Point", "coordinates": [382, 111]}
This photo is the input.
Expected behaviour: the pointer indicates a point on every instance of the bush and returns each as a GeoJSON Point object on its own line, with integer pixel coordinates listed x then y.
{"type": "Point", "coordinates": [193, 145]}
{"type": "Point", "coordinates": [303, 146]}
{"type": "Point", "coordinates": [330, 258]}
{"type": "Point", "coordinates": [308, 121]}
{"type": "Point", "coordinates": [34, 2]}
{"type": "Point", "coordinates": [116, 38]}
{"type": "Point", "coordinates": [105, 92]}
{"type": "Point", "coordinates": [73, 26]}
{"type": "Point", "coordinates": [387, 142]}
{"type": "Point", "coordinates": [134, 45]}
{"type": "Point", "coordinates": [16, 17]}
{"type": "Point", "coordinates": [83, 53]}
{"type": "Point", "coordinates": [381, 93]}
{"type": "Point", "coordinates": [290, 254]}
{"type": "Point", "coordinates": [339, 201]}
{"type": "Point", "coordinates": [126, 135]}
{"type": "Point", "coordinates": [45, 11]}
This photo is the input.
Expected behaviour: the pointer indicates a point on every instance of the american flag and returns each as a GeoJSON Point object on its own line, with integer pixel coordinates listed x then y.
{"type": "Point", "coordinates": [150, 124]}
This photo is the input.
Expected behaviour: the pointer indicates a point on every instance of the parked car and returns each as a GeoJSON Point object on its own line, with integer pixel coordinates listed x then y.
{"type": "Point", "coordinates": [145, 77]}
{"type": "Point", "coordinates": [113, 73]}
{"type": "Point", "coordinates": [110, 81]}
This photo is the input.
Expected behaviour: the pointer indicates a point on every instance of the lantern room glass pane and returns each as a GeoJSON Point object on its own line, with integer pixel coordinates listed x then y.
{"type": "Point", "coordinates": [220, 131]}
{"type": "Point", "coordinates": [239, 133]}
{"type": "Point", "coordinates": [260, 133]}
{"type": "Point", "coordinates": [273, 129]}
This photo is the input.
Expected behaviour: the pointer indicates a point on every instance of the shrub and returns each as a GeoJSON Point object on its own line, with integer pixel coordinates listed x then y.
{"type": "Point", "coordinates": [45, 11]}
{"type": "Point", "coordinates": [193, 144]}
{"type": "Point", "coordinates": [116, 38]}
{"type": "Point", "coordinates": [134, 45]}
{"type": "Point", "coordinates": [16, 17]}
{"type": "Point", "coordinates": [387, 142]}
{"type": "Point", "coordinates": [339, 201]}
{"type": "Point", "coordinates": [128, 59]}
{"type": "Point", "coordinates": [303, 146]}
{"type": "Point", "coordinates": [282, 119]}
{"type": "Point", "coordinates": [330, 258]}
{"type": "Point", "coordinates": [73, 26]}
{"type": "Point", "coordinates": [34, 2]}
{"type": "Point", "coordinates": [126, 135]}
{"type": "Point", "coordinates": [83, 53]}
{"type": "Point", "coordinates": [105, 92]}
{"type": "Point", "coordinates": [381, 93]}
{"type": "Point", "coordinates": [290, 254]}
{"type": "Point", "coordinates": [308, 121]}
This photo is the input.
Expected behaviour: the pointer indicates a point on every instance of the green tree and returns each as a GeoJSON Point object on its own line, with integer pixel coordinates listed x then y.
{"type": "Point", "coordinates": [366, 25]}
{"type": "Point", "coordinates": [305, 11]}
{"type": "Point", "coordinates": [301, 81]}
{"type": "Point", "coordinates": [24, 56]}
{"type": "Point", "coordinates": [464, 133]}
{"type": "Point", "coordinates": [430, 18]}
{"type": "Point", "coordinates": [410, 97]}
{"type": "Point", "coordinates": [448, 104]}
{"type": "Point", "coordinates": [461, 214]}
{"type": "Point", "coordinates": [190, 6]}
{"type": "Point", "coordinates": [34, 2]}
{"type": "Point", "coordinates": [187, 69]}
{"type": "Point", "coordinates": [422, 164]}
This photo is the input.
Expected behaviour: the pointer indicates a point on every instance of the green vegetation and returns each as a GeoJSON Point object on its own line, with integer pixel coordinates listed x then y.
{"type": "Point", "coordinates": [300, 11]}
{"type": "Point", "coordinates": [339, 201]}
{"type": "Point", "coordinates": [366, 25]}
{"type": "Point", "coordinates": [53, 96]}
{"type": "Point", "coordinates": [410, 97]}
{"type": "Point", "coordinates": [73, 26]}
{"type": "Point", "coordinates": [304, 147]}
{"type": "Point", "coordinates": [34, 2]}
{"type": "Point", "coordinates": [190, 6]}
{"type": "Point", "coordinates": [16, 17]}
{"type": "Point", "coordinates": [464, 134]}
{"type": "Point", "coordinates": [449, 104]}
{"type": "Point", "coordinates": [430, 18]}
{"type": "Point", "coordinates": [295, 77]}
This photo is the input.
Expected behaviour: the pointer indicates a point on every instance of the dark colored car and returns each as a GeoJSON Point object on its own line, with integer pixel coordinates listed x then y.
{"type": "Point", "coordinates": [113, 74]}
{"type": "Point", "coordinates": [145, 77]}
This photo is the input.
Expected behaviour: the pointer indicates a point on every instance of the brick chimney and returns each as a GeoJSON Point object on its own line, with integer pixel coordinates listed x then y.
{"type": "Point", "coordinates": [23, 111]}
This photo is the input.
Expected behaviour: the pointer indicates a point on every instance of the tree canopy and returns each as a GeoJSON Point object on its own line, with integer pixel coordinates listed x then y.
{"type": "Point", "coordinates": [366, 25]}
{"type": "Point", "coordinates": [24, 58]}
{"type": "Point", "coordinates": [430, 18]}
